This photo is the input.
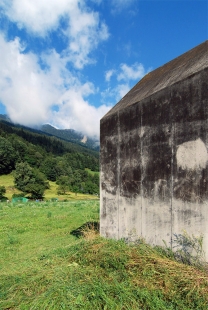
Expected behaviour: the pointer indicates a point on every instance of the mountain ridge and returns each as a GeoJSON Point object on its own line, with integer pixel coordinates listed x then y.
{"type": "Point", "coordinates": [72, 136]}
{"type": "Point", "coordinates": [69, 135]}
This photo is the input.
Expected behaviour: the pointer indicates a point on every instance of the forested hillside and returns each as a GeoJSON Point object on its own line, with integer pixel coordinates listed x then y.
{"type": "Point", "coordinates": [72, 136]}
{"type": "Point", "coordinates": [36, 158]}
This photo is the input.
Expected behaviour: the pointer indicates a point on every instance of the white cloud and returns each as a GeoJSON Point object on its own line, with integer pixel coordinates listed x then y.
{"type": "Point", "coordinates": [39, 17]}
{"type": "Point", "coordinates": [115, 93]}
{"type": "Point", "coordinates": [119, 5]}
{"type": "Point", "coordinates": [81, 115]}
{"type": "Point", "coordinates": [24, 87]}
{"type": "Point", "coordinates": [122, 90]}
{"type": "Point", "coordinates": [85, 32]}
{"type": "Point", "coordinates": [29, 92]}
{"type": "Point", "coordinates": [134, 72]}
{"type": "Point", "coordinates": [108, 75]}
{"type": "Point", "coordinates": [97, 1]}
{"type": "Point", "coordinates": [124, 76]}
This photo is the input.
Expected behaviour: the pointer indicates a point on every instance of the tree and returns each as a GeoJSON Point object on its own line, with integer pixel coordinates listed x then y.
{"type": "Point", "coordinates": [7, 156]}
{"type": "Point", "coordinates": [2, 191]}
{"type": "Point", "coordinates": [19, 146]}
{"type": "Point", "coordinates": [63, 184]}
{"type": "Point", "coordinates": [48, 167]}
{"type": "Point", "coordinates": [91, 188]}
{"type": "Point", "coordinates": [30, 180]}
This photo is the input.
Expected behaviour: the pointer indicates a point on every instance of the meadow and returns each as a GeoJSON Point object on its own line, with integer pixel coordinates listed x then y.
{"type": "Point", "coordinates": [50, 259]}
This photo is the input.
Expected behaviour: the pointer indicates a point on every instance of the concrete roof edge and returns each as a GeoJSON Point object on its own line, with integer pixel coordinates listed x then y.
{"type": "Point", "coordinates": [109, 113]}
{"type": "Point", "coordinates": [184, 66]}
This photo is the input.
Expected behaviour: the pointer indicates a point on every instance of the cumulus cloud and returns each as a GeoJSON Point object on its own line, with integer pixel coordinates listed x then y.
{"type": "Point", "coordinates": [124, 75]}
{"type": "Point", "coordinates": [114, 94]}
{"type": "Point", "coordinates": [134, 72]}
{"type": "Point", "coordinates": [32, 85]}
{"type": "Point", "coordinates": [30, 92]}
{"type": "Point", "coordinates": [85, 34]}
{"type": "Point", "coordinates": [109, 74]}
{"type": "Point", "coordinates": [96, 1]}
{"type": "Point", "coordinates": [37, 16]}
{"type": "Point", "coordinates": [121, 90]}
{"type": "Point", "coordinates": [25, 89]}
{"type": "Point", "coordinates": [83, 29]}
{"type": "Point", "coordinates": [119, 5]}
{"type": "Point", "coordinates": [81, 115]}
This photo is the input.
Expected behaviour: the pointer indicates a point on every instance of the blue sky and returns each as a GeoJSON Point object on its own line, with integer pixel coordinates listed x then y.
{"type": "Point", "coordinates": [67, 62]}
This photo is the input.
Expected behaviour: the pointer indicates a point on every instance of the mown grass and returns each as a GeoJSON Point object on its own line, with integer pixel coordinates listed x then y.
{"type": "Point", "coordinates": [44, 266]}
{"type": "Point", "coordinates": [8, 182]}
{"type": "Point", "coordinates": [92, 172]}
{"type": "Point", "coordinates": [52, 193]}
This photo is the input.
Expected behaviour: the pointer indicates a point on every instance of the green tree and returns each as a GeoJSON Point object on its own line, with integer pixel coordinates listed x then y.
{"type": "Point", "coordinates": [91, 188]}
{"type": "Point", "coordinates": [30, 180]}
{"type": "Point", "coordinates": [63, 168]}
{"type": "Point", "coordinates": [48, 167]}
{"type": "Point", "coordinates": [2, 191]}
{"type": "Point", "coordinates": [8, 156]}
{"type": "Point", "coordinates": [64, 183]}
{"type": "Point", "coordinates": [19, 146]}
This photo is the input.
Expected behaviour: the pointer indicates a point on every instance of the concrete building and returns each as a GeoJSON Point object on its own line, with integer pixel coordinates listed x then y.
{"type": "Point", "coordinates": [154, 155]}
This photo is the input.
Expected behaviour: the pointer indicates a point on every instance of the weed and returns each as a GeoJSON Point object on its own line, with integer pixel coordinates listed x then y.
{"type": "Point", "coordinates": [49, 214]}
{"type": "Point", "coordinates": [12, 240]}
{"type": "Point", "coordinates": [186, 249]}
{"type": "Point", "coordinates": [189, 249]}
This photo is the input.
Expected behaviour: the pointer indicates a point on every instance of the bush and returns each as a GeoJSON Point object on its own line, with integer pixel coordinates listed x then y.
{"type": "Point", "coordinates": [30, 180]}
{"type": "Point", "coordinates": [2, 191]}
{"type": "Point", "coordinates": [17, 195]}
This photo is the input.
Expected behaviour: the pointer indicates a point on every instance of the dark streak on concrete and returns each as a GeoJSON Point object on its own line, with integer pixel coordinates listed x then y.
{"type": "Point", "coordinates": [141, 135]}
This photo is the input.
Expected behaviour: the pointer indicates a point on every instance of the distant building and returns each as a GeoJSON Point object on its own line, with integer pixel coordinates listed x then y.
{"type": "Point", "coordinates": [154, 155]}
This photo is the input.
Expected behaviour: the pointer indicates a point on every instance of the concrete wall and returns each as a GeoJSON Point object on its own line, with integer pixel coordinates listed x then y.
{"type": "Point", "coordinates": [154, 165]}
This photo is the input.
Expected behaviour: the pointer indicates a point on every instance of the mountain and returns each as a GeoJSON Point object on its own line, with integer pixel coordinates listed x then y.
{"type": "Point", "coordinates": [72, 136]}
{"type": "Point", "coordinates": [4, 117]}
{"type": "Point", "coordinates": [31, 135]}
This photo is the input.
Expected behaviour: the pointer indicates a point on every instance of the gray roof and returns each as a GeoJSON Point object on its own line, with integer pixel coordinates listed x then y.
{"type": "Point", "coordinates": [172, 72]}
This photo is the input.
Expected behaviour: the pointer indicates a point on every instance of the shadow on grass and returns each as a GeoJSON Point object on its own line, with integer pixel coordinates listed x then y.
{"type": "Point", "coordinates": [79, 232]}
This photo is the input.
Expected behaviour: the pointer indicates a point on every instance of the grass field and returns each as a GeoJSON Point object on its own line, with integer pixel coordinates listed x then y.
{"type": "Point", "coordinates": [8, 182]}
{"type": "Point", "coordinates": [44, 265]}
{"type": "Point", "coordinates": [92, 172]}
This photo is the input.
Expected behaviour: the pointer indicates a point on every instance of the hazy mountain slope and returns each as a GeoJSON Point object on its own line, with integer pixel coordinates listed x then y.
{"type": "Point", "coordinates": [48, 141]}
{"type": "Point", "coordinates": [71, 135]}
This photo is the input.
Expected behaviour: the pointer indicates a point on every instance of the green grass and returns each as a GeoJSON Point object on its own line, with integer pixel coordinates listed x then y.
{"type": "Point", "coordinates": [92, 172]}
{"type": "Point", "coordinates": [8, 182]}
{"type": "Point", "coordinates": [44, 266]}
{"type": "Point", "coordinates": [52, 193]}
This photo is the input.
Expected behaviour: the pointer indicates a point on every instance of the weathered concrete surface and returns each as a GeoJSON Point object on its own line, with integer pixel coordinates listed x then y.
{"type": "Point", "coordinates": [154, 155]}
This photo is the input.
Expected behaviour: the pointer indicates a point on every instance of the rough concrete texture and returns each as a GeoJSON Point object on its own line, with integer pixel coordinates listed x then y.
{"type": "Point", "coordinates": [154, 155]}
